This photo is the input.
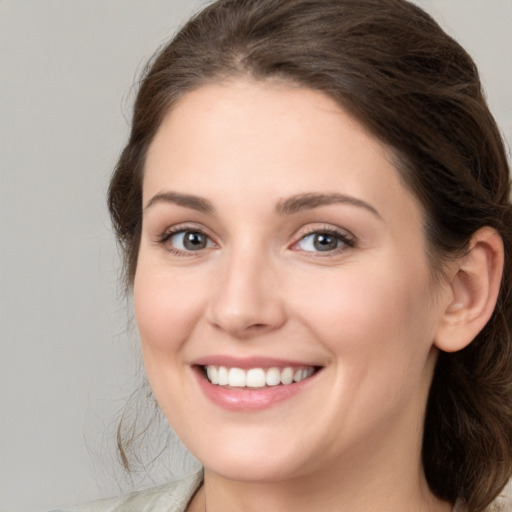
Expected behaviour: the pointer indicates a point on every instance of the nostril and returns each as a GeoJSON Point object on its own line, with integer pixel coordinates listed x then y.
{"type": "Point", "coordinates": [257, 327]}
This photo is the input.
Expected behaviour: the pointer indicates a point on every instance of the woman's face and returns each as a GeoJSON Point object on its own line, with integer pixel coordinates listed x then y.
{"type": "Point", "coordinates": [279, 243]}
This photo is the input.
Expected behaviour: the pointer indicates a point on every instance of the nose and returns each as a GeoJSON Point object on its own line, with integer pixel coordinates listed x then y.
{"type": "Point", "coordinates": [247, 302]}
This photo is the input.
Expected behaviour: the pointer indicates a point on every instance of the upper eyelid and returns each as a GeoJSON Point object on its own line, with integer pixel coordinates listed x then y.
{"type": "Point", "coordinates": [186, 226]}
{"type": "Point", "coordinates": [163, 240]}
{"type": "Point", "coordinates": [324, 228]}
{"type": "Point", "coordinates": [164, 236]}
{"type": "Point", "coordinates": [346, 237]}
{"type": "Point", "coordinates": [301, 233]}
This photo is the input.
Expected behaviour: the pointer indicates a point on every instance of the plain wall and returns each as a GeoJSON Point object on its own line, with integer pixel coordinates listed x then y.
{"type": "Point", "coordinates": [68, 359]}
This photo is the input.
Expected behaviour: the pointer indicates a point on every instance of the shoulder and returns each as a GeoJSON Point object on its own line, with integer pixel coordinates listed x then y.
{"type": "Point", "coordinates": [503, 503]}
{"type": "Point", "coordinates": [173, 497]}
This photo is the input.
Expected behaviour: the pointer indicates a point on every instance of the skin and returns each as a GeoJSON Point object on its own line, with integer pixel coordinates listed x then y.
{"type": "Point", "coordinates": [367, 312]}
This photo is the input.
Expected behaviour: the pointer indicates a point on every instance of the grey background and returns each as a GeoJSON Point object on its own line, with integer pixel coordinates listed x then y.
{"type": "Point", "coordinates": [69, 356]}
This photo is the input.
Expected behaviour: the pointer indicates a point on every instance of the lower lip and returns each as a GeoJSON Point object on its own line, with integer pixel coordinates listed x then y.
{"type": "Point", "coordinates": [249, 399]}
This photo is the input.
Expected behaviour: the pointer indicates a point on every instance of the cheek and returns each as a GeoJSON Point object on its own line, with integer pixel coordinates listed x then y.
{"type": "Point", "coordinates": [380, 332]}
{"type": "Point", "coordinates": [375, 314]}
{"type": "Point", "coordinates": [166, 308]}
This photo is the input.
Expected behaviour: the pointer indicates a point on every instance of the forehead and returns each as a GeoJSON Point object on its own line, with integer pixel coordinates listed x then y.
{"type": "Point", "coordinates": [269, 140]}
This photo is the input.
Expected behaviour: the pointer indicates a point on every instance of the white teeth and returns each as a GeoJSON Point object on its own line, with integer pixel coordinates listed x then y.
{"type": "Point", "coordinates": [273, 377]}
{"type": "Point", "coordinates": [223, 378]}
{"type": "Point", "coordinates": [302, 374]}
{"type": "Point", "coordinates": [287, 376]}
{"type": "Point", "coordinates": [298, 375]}
{"type": "Point", "coordinates": [236, 378]}
{"type": "Point", "coordinates": [256, 377]}
{"type": "Point", "coordinates": [212, 373]}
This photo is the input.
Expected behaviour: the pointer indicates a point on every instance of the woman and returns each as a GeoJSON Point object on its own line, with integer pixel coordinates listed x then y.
{"type": "Point", "coordinates": [314, 211]}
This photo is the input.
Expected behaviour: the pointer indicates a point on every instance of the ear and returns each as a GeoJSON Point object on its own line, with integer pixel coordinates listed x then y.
{"type": "Point", "coordinates": [474, 284]}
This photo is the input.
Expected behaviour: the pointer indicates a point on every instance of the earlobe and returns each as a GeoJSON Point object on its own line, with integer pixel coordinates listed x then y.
{"type": "Point", "coordinates": [474, 286]}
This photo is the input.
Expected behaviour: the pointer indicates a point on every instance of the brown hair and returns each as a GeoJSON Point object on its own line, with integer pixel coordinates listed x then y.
{"type": "Point", "coordinates": [411, 85]}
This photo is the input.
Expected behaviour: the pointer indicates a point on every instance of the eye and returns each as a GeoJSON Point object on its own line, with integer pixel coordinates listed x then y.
{"type": "Point", "coordinates": [324, 241]}
{"type": "Point", "coordinates": [188, 240]}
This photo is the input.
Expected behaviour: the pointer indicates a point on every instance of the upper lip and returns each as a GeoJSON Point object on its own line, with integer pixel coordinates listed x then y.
{"type": "Point", "coordinates": [249, 362]}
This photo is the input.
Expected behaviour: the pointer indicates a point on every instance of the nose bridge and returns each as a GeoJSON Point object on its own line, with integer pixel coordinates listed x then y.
{"type": "Point", "coordinates": [246, 300]}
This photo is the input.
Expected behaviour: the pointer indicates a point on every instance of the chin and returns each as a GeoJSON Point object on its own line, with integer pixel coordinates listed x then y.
{"type": "Point", "coordinates": [253, 462]}
{"type": "Point", "coordinates": [256, 471]}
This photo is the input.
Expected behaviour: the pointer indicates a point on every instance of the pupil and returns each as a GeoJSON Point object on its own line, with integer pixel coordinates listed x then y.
{"type": "Point", "coordinates": [194, 241]}
{"type": "Point", "coordinates": [325, 242]}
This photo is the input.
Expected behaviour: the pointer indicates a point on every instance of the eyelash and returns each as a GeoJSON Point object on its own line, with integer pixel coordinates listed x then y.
{"type": "Point", "coordinates": [165, 237]}
{"type": "Point", "coordinates": [347, 241]}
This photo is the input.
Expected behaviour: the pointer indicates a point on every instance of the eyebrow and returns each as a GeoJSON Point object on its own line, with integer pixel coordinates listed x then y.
{"type": "Point", "coordinates": [186, 200]}
{"type": "Point", "coordinates": [287, 206]}
{"type": "Point", "coordinates": [301, 202]}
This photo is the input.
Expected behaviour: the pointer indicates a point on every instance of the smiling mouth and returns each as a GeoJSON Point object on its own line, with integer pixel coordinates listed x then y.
{"type": "Point", "coordinates": [256, 378]}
